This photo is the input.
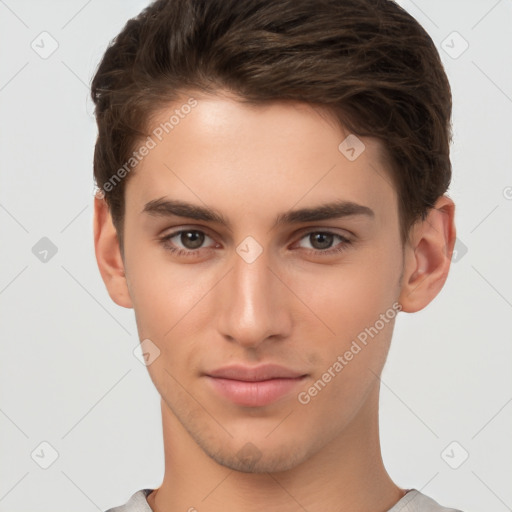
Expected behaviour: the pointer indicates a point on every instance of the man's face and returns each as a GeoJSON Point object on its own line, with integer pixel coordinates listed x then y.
{"type": "Point", "coordinates": [300, 294]}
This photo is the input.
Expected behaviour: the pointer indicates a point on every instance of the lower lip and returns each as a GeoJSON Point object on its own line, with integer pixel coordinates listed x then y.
{"type": "Point", "coordinates": [254, 394]}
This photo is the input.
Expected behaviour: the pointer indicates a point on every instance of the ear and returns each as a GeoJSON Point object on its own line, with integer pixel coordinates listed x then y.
{"type": "Point", "coordinates": [108, 254]}
{"type": "Point", "coordinates": [428, 256]}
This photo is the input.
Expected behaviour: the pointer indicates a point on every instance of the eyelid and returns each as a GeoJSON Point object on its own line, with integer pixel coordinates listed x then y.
{"type": "Point", "coordinates": [166, 237]}
{"type": "Point", "coordinates": [301, 233]}
{"type": "Point", "coordinates": [324, 229]}
{"type": "Point", "coordinates": [345, 240]}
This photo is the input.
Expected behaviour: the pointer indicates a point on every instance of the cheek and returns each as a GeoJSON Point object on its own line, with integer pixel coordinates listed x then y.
{"type": "Point", "coordinates": [166, 301]}
{"type": "Point", "coordinates": [157, 294]}
{"type": "Point", "coordinates": [351, 359]}
{"type": "Point", "coordinates": [350, 300]}
{"type": "Point", "coordinates": [352, 296]}
{"type": "Point", "coordinates": [170, 300]}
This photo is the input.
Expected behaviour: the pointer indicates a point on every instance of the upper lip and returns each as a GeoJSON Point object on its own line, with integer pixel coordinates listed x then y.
{"type": "Point", "coordinates": [255, 373]}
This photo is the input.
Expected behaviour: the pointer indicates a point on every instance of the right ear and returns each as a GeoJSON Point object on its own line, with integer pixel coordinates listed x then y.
{"type": "Point", "coordinates": [108, 254]}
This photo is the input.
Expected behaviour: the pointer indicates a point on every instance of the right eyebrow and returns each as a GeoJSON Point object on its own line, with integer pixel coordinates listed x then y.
{"type": "Point", "coordinates": [165, 207]}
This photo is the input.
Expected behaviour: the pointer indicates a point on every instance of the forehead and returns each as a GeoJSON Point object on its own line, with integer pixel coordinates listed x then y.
{"type": "Point", "coordinates": [257, 158]}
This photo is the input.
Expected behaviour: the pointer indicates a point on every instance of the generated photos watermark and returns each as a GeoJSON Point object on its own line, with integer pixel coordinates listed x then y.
{"type": "Point", "coordinates": [151, 142]}
{"type": "Point", "coordinates": [357, 345]}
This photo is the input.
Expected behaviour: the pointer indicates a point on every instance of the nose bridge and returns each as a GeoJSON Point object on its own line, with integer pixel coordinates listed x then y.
{"type": "Point", "coordinates": [252, 309]}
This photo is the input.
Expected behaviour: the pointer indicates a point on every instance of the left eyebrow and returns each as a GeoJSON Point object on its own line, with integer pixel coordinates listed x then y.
{"type": "Point", "coordinates": [335, 210]}
{"type": "Point", "coordinates": [165, 207]}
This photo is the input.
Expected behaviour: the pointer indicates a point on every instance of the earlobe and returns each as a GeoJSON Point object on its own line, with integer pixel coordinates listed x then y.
{"type": "Point", "coordinates": [108, 255]}
{"type": "Point", "coordinates": [427, 256]}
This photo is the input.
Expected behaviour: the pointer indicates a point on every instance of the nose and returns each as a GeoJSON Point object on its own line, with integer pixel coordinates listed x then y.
{"type": "Point", "coordinates": [254, 303]}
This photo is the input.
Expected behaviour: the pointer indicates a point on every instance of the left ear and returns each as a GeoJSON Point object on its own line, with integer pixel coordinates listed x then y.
{"type": "Point", "coordinates": [427, 256]}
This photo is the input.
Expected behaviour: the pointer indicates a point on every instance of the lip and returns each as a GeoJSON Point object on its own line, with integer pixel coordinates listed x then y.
{"type": "Point", "coordinates": [255, 373]}
{"type": "Point", "coordinates": [254, 386]}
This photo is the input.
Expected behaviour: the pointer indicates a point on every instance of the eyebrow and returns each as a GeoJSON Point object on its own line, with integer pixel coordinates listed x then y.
{"type": "Point", "coordinates": [165, 207]}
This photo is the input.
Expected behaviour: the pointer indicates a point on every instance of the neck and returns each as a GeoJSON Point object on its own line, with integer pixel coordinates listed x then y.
{"type": "Point", "coordinates": [346, 474]}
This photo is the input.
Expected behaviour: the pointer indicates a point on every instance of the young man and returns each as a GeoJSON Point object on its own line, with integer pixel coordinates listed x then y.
{"type": "Point", "coordinates": [272, 179]}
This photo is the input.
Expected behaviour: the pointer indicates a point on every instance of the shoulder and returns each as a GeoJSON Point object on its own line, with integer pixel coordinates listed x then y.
{"type": "Point", "coordinates": [415, 501]}
{"type": "Point", "coordinates": [137, 503]}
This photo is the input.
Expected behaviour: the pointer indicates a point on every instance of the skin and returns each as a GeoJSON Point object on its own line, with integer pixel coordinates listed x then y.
{"type": "Point", "coordinates": [292, 306]}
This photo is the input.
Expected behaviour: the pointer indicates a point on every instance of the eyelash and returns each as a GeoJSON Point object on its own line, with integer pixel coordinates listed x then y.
{"type": "Point", "coordinates": [345, 242]}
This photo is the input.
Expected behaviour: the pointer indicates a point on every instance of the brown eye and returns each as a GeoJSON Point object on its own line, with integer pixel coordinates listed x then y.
{"type": "Point", "coordinates": [321, 241]}
{"type": "Point", "coordinates": [186, 242]}
{"type": "Point", "coordinates": [192, 239]}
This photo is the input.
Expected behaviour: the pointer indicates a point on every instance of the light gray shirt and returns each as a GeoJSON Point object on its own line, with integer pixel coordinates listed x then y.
{"type": "Point", "coordinates": [413, 501]}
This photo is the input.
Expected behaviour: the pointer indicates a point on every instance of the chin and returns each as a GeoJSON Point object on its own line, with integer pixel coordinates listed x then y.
{"type": "Point", "coordinates": [250, 459]}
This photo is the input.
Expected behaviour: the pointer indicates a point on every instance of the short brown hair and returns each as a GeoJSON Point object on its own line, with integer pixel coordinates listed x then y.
{"type": "Point", "coordinates": [369, 62]}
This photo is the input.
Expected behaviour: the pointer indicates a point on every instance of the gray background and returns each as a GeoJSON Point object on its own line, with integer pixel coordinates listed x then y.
{"type": "Point", "coordinates": [68, 373]}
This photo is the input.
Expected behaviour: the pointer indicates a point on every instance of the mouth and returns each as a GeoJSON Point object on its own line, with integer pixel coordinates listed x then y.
{"type": "Point", "coordinates": [254, 386]}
